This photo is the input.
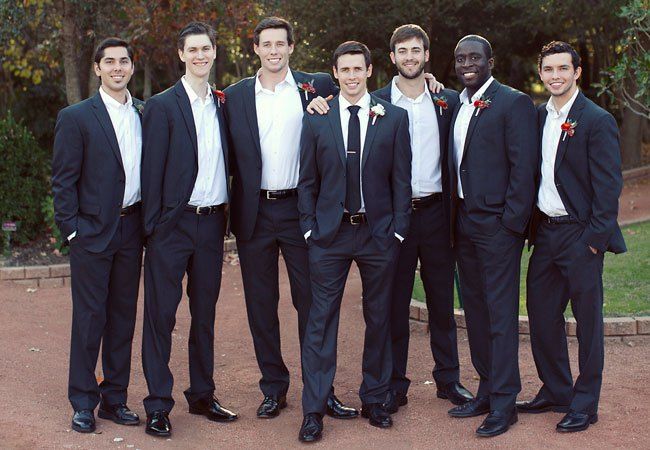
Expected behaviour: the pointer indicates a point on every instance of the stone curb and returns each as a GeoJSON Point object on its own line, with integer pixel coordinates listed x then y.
{"type": "Point", "coordinates": [613, 326]}
{"type": "Point", "coordinates": [636, 173]}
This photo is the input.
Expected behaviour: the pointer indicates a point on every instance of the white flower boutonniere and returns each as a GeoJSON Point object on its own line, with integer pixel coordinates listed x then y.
{"type": "Point", "coordinates": [377, 111]}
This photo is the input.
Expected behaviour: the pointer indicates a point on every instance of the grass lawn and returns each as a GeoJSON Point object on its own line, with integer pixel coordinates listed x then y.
{"type": "Point", "coordinates": [626, 277]}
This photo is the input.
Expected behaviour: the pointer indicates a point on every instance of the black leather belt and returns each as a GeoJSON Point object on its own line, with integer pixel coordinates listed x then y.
{"type": "Point", "coordinates": [559, 220]}
{"type": "Point", "coordinates": [354, 219]}
{"type": "Point", "coordinates": [423, 202]}
{"type": "Point", "coordinates": [130, 209]}
{"type": "Point", "coordinates": [205, 210]}
{"type": "Point", "coordinates": [278, 195]}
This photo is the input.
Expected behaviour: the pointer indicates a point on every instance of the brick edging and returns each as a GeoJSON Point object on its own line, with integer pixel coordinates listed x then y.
{"type": "Point", "coordinates": [613, 326]}
{"type": "Point", "coordinates": [636, 173]}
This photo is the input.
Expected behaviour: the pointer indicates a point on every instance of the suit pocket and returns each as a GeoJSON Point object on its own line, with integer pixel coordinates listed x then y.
{"type": "Point", "coordinates": [89, 210]}
{"type": "Point", "coordinates": [494, 200]}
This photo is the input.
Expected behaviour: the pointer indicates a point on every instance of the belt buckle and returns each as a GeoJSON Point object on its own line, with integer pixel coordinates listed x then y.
{"type": "Point", "coordinates": [353, 219]}
{"type": "Point", "coordinates": [268, 196]}
{"type": "Point", "coordinates": [198, 210]}
{"type": "Point", "coordinates": [414, 204]}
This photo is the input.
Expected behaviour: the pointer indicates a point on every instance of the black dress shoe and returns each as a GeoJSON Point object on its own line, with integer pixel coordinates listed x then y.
{"type": "Point", "coordinates": [455, 393]}
{"type": "Point", "coordinates": [270, 407]}
{"type": "Point", "coordinates": [377, 415]}
{"type": "Point", "coordinates": [540, 405]}
{"type": "Point", "coordinates": [337, 410]}
{"type": "Point", "coordinates": [475, 407]}
{"type": "Point", "coordinates": [211, 409]}
{"type": "Point", "coordinates": [576, 421]}
{"type": "Point", "coordinates": [158, 424]}
{"type": "Point", "coordinates": [497, 422]}
{"type": "Point", "coordinates": [83, 421]}
{"type": "Point", "coordinates": [118, 413]}
{"type": "Point", "coordinates": [311, 429]}
{"type": "Point", "coordinates": [394, 400]}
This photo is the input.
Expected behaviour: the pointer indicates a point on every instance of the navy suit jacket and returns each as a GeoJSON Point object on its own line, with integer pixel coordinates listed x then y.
{"type": "Point", "coordinates": [244, 135]}
{"type": "Point", "coordinates": [385, 174]}
{"type": "Point", "coordinates": [443, 117]}
{"type": "Point", "coordinates": [170, 157]}
{"type": "Point", "coordinates": [499, 163]}
{"type": "Point", "coordinates": [588, 175]}
{"type": "Point", "coordinates": [88, 176]}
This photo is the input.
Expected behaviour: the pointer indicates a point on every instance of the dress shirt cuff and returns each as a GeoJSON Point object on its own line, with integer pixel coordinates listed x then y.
{"type": "Point", "coordinates": [307, 234]}
{"type": "Point", "coordinates": [72, 235]}
{"type": "Point", "coordinates": [401, 239]}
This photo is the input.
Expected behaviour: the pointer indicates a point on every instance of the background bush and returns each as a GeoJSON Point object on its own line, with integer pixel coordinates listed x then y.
{"type": "Point", "coordinates": [24, 180]}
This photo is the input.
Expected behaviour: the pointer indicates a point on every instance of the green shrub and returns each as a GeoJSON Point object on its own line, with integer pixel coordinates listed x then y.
{"type": "Point", "coordinates": [24, 180]}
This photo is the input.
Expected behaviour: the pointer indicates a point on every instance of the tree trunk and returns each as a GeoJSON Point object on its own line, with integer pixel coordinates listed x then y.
{"type": "Point", "coordinates": [631, 136]}
{"type": "Point", "coordinates": [146, 90]}
{"type": "Point", "coordinates": [69, 50]}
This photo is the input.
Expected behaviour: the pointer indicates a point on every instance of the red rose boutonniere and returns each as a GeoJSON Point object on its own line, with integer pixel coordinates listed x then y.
{"type": "Point", "coordinates": [307, 88]}
{"type": "Point", "coordinates": [441, 102]}
{"type": "Point", "coordinates": [220, 96]}
{"type": "Point", "coordinates": [568, 128]}
{"type": "Point", "coordinates": [481, 103]}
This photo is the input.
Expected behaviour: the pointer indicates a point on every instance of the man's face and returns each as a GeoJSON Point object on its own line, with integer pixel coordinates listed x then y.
{"type": "Point", "coordinates": [409, 57]}
{"type": "Point", "coordinates": [198, 54]}
{"type": "Point", "coordinates": [557, 73]}
{"type": "Point", "coordinates": [273, 49]}
{"type": "Point", "coordinates": [352, 73]}
{"type": "Point", "coordinates": [473, 68]}
{"type": "Point", "coordinates": [115, 69]}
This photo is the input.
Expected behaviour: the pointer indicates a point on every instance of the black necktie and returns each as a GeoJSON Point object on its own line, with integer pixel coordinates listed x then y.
{"type": "Point", "coordinates": [353, 167]}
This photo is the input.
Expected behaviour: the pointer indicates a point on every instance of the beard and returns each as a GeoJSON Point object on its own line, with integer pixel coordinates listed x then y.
{"type": "Point", "coordinates": [408, 76]}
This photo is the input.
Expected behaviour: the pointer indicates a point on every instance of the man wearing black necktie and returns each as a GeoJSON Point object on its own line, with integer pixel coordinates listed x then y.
{"type": "Point", "coordinates": [354, 196]}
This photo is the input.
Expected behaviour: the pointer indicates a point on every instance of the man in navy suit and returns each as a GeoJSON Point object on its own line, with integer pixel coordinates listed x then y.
{"type": "Point", "coordinates": [96, 186]}
{"type": "Point", "coordinates": [492, 165]}
{"type": "Point", "coordinates": [428, 238]}
{"type": "Point", "coordinates": [184, 193]}
{"type": "Point", "coordinates": [354, 197]}
{"type": "Point", "coordinates": [264, 120]}
{"type": "Point", "coordinates": [573, 225]}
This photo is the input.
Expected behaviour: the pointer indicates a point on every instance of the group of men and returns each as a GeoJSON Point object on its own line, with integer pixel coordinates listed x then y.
{"type": "Point", "coordinates": [405, 174]}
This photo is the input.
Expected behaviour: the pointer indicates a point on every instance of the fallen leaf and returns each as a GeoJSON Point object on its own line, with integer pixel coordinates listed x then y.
{"type": "Point", "coordinates": [118, 439]}
{"type": "Point", "coordinates": [428, 382]}
{"type": "Point", "coordinates": [31, 290]}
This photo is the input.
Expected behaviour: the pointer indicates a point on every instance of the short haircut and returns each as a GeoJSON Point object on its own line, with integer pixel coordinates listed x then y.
{"type": "Point", "coordinates": [556, 47]}
{"type": "Point", "coordinates": [352, 48]}
{"type": "Point", "coordinates": [193, 29]}
{"type": "Point", "coordinates": [273, 22]}
{"type": "Point", "coordinates": [487, 48]}
{"type": "Point", "coordinates": [406, 32]}
{"type": "Point", "coordinates": [111, 42]}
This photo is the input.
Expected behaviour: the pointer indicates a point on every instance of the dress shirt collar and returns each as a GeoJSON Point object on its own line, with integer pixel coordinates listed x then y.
{"type": "Point", "coordinates": [396, 94]}
{"type": "Point", "coordinates": [289, 80]}
{"type": "Point", "coordinates": [192, 95]}
{"type": "Point", "coordinates": [364, 102]}
{"type": "Point", "coordinates": [564, 111]}
{"type": "Point", "coordinates": [110, 101]}
{"type": "Point", "coordinates": [478, 94]}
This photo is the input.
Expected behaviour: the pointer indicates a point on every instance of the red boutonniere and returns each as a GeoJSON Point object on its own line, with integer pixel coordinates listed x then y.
{"type": "Point", "coordinates": [568, 128]}
{"type": "Point", "coordinates": [481, 103]}
{"type": "Point", "coordinates": [307, 88]}
{"type": "Point", "coordinates": [441, 102]}
{"type": "Point", "coordinates": [219, 96]}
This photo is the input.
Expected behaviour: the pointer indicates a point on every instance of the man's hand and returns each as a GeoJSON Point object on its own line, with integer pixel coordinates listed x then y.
{"type": "Point", "coordinates": [319, 105]}
{"type": "Point", "coordinates": [434, 85]}
{"type": "Point", "coordinates": [593, 250]}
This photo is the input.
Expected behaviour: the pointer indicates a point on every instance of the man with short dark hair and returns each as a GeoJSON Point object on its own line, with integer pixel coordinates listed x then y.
{"type": "Point", "coordinates": [354, 199]}
{"type": "Point", "coordinates": [264, 120]}
{"type": "Point", "coordinates": [573, 225]}
{"type": "Point", "coordinates": [428, 238]}
{"type": "Point", "coordinates": [184, 194]}
{"type": "Point", "coordinates": [96, 186]}
{"type": "Point", "coordinates": [492, 166]}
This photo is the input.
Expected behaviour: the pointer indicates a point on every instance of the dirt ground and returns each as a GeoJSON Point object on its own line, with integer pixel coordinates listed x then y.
{"type": "Point", "coordinates": [34, 337]}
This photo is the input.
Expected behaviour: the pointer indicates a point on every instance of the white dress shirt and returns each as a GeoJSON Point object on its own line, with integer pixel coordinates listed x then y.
{"type": "Point", "coordinates": [210, 186]}
{"type": "Point", "coordinates": [279, 119]}
{"type": "Point", "coordinates": [462, 125]}
{"type": "Point", "coordinates": [426, 177]}
{"type": "Point", "coordinates": [548, 197]}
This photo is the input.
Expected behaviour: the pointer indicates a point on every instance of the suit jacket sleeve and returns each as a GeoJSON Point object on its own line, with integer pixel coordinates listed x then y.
{"type": "Point", "coordinates": [308, 181]}
{"type": "Point", "coordinates": [67, 160]}
{"type": "Point", "coordinates": [522, 149]}
{"type": "Point", "coordinates": [155, 145]}
{"type": "Point", "coordinates": [402, 177]}
{"type": "Point", "coordinates": [606, 181]}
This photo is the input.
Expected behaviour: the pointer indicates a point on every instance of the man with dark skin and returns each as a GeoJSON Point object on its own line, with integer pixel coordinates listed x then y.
{"type": "Point", "coordinates": [493, 152]}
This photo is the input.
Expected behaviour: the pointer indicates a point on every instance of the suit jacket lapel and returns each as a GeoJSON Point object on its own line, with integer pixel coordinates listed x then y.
{"type": "Point", "coordinates": [334, 118]}
{"type": "Point", "coordinates": [442, 120]}
{"type": "Point", "coordinates": [371, 131]}
{"type": "Point", "coordinates": [299, 78]}
{"type": "Point", "coordinates": [574, 114]}
{"type": "Point", "coordinates": [251, 113]}
{"type": "Point", "coordinates": [186, 109]}
{"type": "Point", "coordinates": [541, 121]}
{"type": "Point", "coordinates": [222, 132]}
{"type": "Point", "coordinates": [489, 93]}
{"type": "Point", "coordinates": [105, 121]}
